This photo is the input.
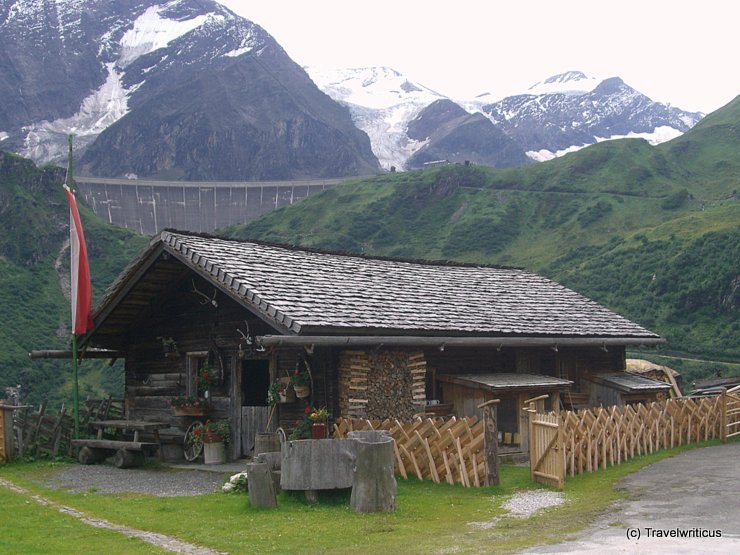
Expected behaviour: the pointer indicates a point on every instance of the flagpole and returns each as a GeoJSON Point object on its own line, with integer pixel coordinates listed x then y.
{"type": "Point", "coordinates": [76, 387]}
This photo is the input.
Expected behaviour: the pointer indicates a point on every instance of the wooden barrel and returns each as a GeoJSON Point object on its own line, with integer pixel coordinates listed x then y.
{"type": "Point", "coordinates": [266, 443]}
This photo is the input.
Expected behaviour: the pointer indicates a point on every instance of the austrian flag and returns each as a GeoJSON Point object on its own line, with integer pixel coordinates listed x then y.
{"type": "Point", "coordinates": [81, 292]}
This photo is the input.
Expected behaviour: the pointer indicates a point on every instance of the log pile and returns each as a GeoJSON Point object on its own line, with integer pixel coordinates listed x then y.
{"type": "Point", "coordinates": [382, 383]}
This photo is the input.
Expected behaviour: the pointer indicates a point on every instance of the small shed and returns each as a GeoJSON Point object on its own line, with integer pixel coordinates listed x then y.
{"type": "Point", "coordinates": [465, 392]}
{"type": "Point", "coordinates": [623, 388]}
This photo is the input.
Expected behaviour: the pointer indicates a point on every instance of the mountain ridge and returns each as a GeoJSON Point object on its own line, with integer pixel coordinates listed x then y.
{"type": "Point", "coordinates": [121, 66]}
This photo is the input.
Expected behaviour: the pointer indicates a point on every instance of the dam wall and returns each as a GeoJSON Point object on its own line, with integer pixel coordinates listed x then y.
{"type": "Point", "coordinates": [149, 206]}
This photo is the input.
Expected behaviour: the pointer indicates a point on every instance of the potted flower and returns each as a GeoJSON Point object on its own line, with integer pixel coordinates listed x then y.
{"type": "Point", "coordinates": [303, 428]}
{"type": "Point", "coordinates": [280, 391]}
{"type": "Point", "coordinates": [189, 406]}
{"type": "Point", "coordinates": [214, 435]}
{"type": "Point", "coordinates": [300, 381]}
{"type": "Point", "coordinates": [318, 417]}
{"type": "Point", "coordinates": [205, 379]}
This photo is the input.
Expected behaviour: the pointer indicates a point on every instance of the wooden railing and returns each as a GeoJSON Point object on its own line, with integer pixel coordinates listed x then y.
{"type": "Point", "coordinates": [442, 450]}
{"type": "Point", "coordinates": [41, 433]}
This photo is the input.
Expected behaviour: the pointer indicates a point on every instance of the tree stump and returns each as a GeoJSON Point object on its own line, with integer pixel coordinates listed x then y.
{"type": "Point", "coordinates": [373, 480]}
{"type": "Point", "coordinates": [260, 486]}
{"type": "Point", "coordinates": [128, 459]}
{"type": "Point", "coordinates": [91, 456]}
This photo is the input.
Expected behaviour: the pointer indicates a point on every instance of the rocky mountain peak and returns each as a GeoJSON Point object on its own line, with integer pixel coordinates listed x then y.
{"type": "Point", "coordinates": [177, 89]}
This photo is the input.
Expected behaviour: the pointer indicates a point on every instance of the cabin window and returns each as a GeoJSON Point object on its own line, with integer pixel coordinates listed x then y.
{"type": "Point", "coordinates": [194, 362]}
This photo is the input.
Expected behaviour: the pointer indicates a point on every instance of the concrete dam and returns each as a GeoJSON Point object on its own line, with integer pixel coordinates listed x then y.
{"type": "Point", "coordinates": [149, 206]}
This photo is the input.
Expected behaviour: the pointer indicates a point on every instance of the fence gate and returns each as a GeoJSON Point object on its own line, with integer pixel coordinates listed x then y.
{"type": "Point", "coordinates": [547, 462]}
{"type": "Point", "coordinates": [731, 418]}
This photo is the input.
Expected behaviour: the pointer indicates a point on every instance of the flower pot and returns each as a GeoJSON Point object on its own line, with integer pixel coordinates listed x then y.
{"type": "Point", "coordinates": [213, 452]}
{"type": "Point", "coordinates": [302, 391]}
{"type": "Point", "coordinates": [318, 430]}
{"type": "Point", "coordinates": [190, 411]}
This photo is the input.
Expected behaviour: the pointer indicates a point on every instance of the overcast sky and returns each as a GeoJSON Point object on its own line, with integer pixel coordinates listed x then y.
{"type": "Point", "coordinates": [682, 52]}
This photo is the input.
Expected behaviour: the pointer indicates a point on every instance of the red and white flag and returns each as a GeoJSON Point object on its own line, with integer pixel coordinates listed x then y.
{"type": "Point", "coordinates": [81, 293]}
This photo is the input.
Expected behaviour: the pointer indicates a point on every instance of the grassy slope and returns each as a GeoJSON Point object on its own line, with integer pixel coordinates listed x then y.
{"type": "Point", "coordinates": [603, 220]}
{"type": "Point", "coordinates": [34, 224]}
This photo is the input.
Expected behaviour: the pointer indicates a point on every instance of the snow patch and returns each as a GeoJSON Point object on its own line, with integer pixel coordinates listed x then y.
{"type": "Point", "coordinates": [3, 136]}
{"type": "Point", "coordinates": [238, 52]}
{"type": "Point", "coordinates": [544, 155]}
{"type": "Point", "coordinates": [571, 82]}
{"type": "Point", "coordinates": [152, 32]}
{"type": "Point", "coordinates": [46, 141]}
{"type": "Point", "coordinates": [658, 135]}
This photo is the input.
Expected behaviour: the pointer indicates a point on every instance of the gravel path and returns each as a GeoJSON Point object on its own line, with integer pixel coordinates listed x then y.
{"type": "Point", "coordinates": [523, 505]}
{"type": "Point", "coordinates": [163, 482]}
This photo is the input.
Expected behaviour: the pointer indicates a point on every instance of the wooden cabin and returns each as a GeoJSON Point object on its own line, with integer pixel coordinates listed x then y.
{"type": "Point", "coordinates": [379, 337]}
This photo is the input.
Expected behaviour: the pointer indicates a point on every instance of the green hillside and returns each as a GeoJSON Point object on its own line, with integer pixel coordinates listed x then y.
{"type": "Point", "coordinates": [34, 269]}
{"type": "Point", "coordinates": [651, 232]}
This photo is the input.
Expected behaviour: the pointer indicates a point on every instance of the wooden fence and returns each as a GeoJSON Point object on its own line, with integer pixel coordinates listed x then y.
{"type": "Point", "coordinates": [40, 433]}
{"type": "Point", "coordinates": [580, 441]}
{"type": "Point", "coordinates": [437, 449]}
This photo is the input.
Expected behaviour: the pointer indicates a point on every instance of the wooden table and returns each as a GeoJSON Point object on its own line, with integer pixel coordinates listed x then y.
{"type": "Point", "coordinates": [127, 452]}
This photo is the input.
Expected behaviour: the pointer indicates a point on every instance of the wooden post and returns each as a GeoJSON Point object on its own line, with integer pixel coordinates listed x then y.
{"type": "Point", "coordinates": [723, 416]}
{"type": "Point", "coordinates": [490, 441]}
{"type": "Point", "coordinates": [260, 486]}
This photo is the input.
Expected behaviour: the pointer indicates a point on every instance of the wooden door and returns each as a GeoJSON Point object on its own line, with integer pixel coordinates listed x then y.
{"type": "Point", "coordinates": [255, 381]}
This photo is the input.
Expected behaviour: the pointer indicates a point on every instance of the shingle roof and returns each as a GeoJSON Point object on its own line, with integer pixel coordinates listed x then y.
{"type": "Point", "coordinates": [507, 381]}
{"type": "Point", "coordinates": [631, 382]}
{"type": "Point", "coordinates": [309, 291]}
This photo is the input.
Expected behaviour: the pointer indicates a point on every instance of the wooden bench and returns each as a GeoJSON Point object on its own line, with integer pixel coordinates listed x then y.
{"type": "Point", "coordinates": [126, 453]}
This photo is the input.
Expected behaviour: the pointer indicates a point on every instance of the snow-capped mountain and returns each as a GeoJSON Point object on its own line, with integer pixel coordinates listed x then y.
{"type": "Point", "coordinates": [169, 88]}
{"type": "Point", "coordinates": [382, 103]}
{"type": "Point", "coordinates": [569, 111]}
{"type": "Point", "coordinates": [570, 82]}
{"type": "Point", "coordinates": [560, 114]}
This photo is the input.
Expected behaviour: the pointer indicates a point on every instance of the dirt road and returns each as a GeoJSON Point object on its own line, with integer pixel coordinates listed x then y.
{"type": "Point", "coordinates": [686, 504]}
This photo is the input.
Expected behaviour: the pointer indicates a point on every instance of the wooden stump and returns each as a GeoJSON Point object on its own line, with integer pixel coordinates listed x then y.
{"type": "Point", "coordinates": [91, 456]}
{"type": "Point", "coordinates": [128, 459]}
{"type": "Point", "coordinates": [373, 482]}
{"type": "Point", "coordinates": [272, 460]}
{"type": "Point", "coordinates": [260, 486]}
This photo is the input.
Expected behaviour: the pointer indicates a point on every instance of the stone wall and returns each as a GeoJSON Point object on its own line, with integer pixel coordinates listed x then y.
{"type": "Point", "coordinates": [381, 384]}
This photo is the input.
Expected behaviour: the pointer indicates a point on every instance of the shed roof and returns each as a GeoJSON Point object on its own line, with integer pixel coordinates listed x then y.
{"type": "Point", "coordinates": [501, 381]}
{"type": "Point", "coordinates": [630, 383]}
{"type": "Point", "coordinates": [305, 292]}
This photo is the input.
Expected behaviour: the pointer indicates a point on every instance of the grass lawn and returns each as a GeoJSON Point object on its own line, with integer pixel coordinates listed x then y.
{"type": "Point", "coordinates": [430, 518]}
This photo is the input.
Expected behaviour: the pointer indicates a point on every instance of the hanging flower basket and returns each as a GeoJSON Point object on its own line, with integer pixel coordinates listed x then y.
{"type": "Point", "coordinates": [302, 391]}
